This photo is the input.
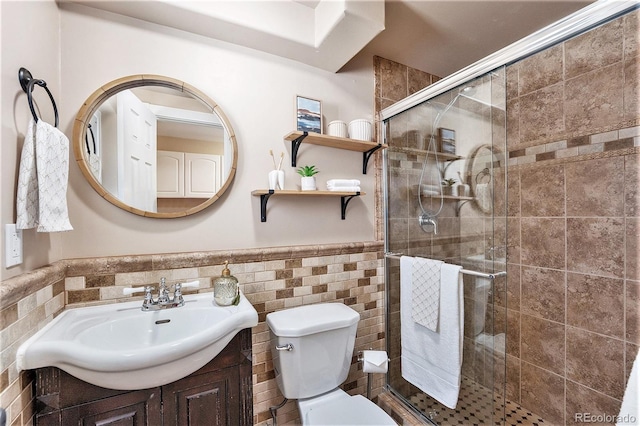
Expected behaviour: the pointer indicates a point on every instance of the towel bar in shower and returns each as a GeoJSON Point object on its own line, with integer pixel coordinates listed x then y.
{"type": "Point", "coordinates": [491, 276]}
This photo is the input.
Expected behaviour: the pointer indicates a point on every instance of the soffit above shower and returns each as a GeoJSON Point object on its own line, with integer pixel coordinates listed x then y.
{"type": "Point", "coordinates": [436, 36]}
{"type": "Point", "coordinates": [322, 33]}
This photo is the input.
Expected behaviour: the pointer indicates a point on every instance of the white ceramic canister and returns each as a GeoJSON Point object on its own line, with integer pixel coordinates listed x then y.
{"type": "Point", "coordinates": [337, 128]}
{"type": "Point", "coordinates": [360, 129]}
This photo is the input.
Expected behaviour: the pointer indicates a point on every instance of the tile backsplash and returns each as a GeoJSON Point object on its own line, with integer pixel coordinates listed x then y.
{"type": "Point", "coordinates": [271, 278]}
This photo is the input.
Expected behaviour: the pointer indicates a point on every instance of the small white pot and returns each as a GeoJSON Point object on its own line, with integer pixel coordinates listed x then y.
{"type": "Point", "coordinates": [308, 183]}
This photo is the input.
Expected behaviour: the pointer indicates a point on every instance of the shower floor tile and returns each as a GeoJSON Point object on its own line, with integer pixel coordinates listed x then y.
{"type": "Point", "coordinates": [475, 409]}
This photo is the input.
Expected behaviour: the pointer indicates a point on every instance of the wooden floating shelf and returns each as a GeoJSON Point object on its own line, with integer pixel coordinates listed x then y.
{"type": "Point", "coordinates": [297, 192]}
{"type": "Point", "coordinates": [265, 194]}
{"type": "Point", "coordinates": [441, 155]}
{"type": "Point", "coordinates": [367, 148]}
{"type": "Point", "coordinates": [334, 141]}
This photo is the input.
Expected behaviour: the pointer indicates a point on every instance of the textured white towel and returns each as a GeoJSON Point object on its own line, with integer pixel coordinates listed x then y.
{"type": "Point", "coordinates": [95, 165]}
{"type": "Point", "coordinates": [27, 194]}
{"type": "Point", "coordinates": [432, 361]}
{"type": "Point", "coordinates": [344, 188]}
{"type": "Point", "coordinates": [343, 182]}
{"type": "Point", "coordinates": [426, 292]}
{"type": "Point", "coordinates": [42, 180]}
{"type": "Point", "coordinates": [484, 196]}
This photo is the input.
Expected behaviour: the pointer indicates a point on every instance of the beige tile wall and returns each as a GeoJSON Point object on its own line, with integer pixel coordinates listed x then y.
{"type": "Point", "coordinates": [271, 278]}
{"type": "Point", "coordinates": [573, 286]}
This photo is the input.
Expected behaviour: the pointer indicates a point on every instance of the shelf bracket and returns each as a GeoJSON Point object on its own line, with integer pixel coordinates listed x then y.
{"type": "Point", "coordinates": [295, 144]}
{"type": "Point", "coordinates": [344, 200]}
{"type": "Point", "coordinates": [264, 198]}
{"type": "Point", "coordinates": [459, 205]}
{"type": "Point", "coordinates": [366, 156]}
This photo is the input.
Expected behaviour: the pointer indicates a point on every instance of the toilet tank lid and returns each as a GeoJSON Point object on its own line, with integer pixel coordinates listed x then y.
{"type": "Point", "coordinates": [310, 319]}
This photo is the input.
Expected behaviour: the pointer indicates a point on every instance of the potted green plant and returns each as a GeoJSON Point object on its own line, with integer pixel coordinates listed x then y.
{"type": "Point", "coordinates": [308, 180]}
{"type": "Point", "coordinates": [447, 186]}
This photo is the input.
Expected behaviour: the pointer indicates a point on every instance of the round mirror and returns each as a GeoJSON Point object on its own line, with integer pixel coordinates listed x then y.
{"type": "Point", "coordinates": [155, 146]}
{"type": "Point", "coordinates": [480, 170]}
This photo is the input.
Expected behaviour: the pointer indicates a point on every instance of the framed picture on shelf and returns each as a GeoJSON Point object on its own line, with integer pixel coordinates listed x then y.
{"type": "Point", "coordinates": [446, 140]}
{"type": "Point", "coordinates": [308, 115]}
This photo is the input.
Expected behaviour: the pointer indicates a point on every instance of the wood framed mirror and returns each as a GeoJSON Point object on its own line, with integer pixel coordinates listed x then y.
{"type": "Point", "coordinates": [155, 146]}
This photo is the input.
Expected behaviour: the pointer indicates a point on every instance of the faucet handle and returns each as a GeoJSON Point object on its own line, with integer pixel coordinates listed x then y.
{"type": "Point", "coordinates": [179, 286]}
{"type": "Point", "coordinates": [189, 284]}
{"type": "Point", "coordinates": [131, 290]}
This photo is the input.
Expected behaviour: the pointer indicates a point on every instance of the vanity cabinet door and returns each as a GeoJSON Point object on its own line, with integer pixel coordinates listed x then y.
{"type": "Point", "coordinates": [137, 408]}
{"type": "Point", "coordinates": [206, 399]}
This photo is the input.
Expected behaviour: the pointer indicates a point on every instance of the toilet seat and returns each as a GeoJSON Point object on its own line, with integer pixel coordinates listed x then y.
{"type": "Point", "coordinates": [339, 408]}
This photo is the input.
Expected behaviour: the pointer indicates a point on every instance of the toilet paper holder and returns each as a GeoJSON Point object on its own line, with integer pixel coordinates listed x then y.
{"type": "Point", "coordinates": [361, 358]}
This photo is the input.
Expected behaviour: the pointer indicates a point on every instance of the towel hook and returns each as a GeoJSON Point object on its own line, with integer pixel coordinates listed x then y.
{"type": "Point", "coordinates": [27, 82]}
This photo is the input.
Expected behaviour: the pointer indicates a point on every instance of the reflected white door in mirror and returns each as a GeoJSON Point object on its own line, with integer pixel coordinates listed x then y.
{"type": "Point", "coordinates": [155, 146]}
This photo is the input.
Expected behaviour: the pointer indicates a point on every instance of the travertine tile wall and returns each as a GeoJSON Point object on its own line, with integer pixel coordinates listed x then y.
{"type": "Point", "coordinates": [271, 278]}
{"type": "Point", "coordinates": [573, 287]}
{"type": "Point", "coordinates": [574, 164]}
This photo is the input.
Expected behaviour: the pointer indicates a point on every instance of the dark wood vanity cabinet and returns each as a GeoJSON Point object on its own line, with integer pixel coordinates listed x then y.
{"type": "Point", "coordinates": [220, 393]}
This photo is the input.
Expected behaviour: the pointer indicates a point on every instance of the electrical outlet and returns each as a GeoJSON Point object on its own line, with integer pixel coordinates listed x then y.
{"type": "Point", "coordinates": [12, 245]}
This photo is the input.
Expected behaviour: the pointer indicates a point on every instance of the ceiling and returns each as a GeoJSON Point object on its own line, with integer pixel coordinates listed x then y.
{"type": "Point", "coordinates": [441, 37]}
{"type": "Point", "coordinates": [436, 36]}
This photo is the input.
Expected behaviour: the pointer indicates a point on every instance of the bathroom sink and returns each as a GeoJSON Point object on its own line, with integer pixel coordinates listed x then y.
{"type": "Point", "coordinates": [118, 346]}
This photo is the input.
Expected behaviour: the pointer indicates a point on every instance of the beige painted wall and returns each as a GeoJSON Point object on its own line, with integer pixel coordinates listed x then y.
{"type": "Point", "coordinates": [30, 39]}
{"type": "Point", "coordinates": [255, 90]}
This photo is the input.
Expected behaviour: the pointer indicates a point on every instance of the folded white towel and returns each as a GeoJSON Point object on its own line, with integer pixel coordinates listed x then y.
{"type": "Point", "coordinates": [42, 180]}
{"type": "Point", "coordinates": [343, 182]}
{"type": "Point", "coordinates": [432, 361]}
{"type": "Point", "coordinates": [344, 188]}
{"type": "Point", "coordinates": [430, 187]}
{"type": "Point", "coordinates": [426, 292]}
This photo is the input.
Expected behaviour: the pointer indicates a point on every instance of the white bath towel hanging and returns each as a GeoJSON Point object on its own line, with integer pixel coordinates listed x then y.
{"type": "Point", "coordinates": [425, 307]}
{"type": "Point", "coordinates": [43, 178]}
{"type": "Point", "coordinates": [432, 361]}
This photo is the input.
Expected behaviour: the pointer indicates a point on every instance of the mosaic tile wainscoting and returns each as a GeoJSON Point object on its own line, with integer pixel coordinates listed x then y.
{"type": "Point", "coordinates": [271, 278]}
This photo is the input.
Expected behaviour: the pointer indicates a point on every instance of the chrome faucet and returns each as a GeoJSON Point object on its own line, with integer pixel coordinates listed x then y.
{"type": "Point", "coordinates": [164, 301]}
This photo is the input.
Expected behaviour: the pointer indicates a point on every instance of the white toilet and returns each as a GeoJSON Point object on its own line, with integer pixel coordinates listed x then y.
{"type": "Point", "coordinates": [312, 347]}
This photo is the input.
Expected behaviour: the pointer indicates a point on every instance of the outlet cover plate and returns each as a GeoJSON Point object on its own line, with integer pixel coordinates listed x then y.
{"type": "Point", "coordinates": [13, 245]}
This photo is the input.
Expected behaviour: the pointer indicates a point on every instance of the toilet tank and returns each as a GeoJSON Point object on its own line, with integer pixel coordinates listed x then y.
{"type": "Point", "coordinates": [322, 337]}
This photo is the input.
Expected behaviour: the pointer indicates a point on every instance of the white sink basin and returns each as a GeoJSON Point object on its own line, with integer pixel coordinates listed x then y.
{"type": "Point", "coordinates": [120, 347]}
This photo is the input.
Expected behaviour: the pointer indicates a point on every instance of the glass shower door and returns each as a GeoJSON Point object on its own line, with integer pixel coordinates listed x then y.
{"type": "Point", "coordinates": [445, 199]}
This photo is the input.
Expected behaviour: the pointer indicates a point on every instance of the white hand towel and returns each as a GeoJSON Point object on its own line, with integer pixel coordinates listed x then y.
{"type": "Point", "coordinates": [95, 165]}
{"type": "Point", "coordinates": [484, 196]}
{"type": "Point", "coordinates": [432, 361]}
{"type": "Point", "coordinates": [45, 157]}
{"type": "Point", "coordinates": [343, 182]}
{"type": "Point", "coordinates": [27, 194]}
{"type": "Point", "coordinates": [344, 188]}
{"type": "Point", "coordinates": [426, 292]}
